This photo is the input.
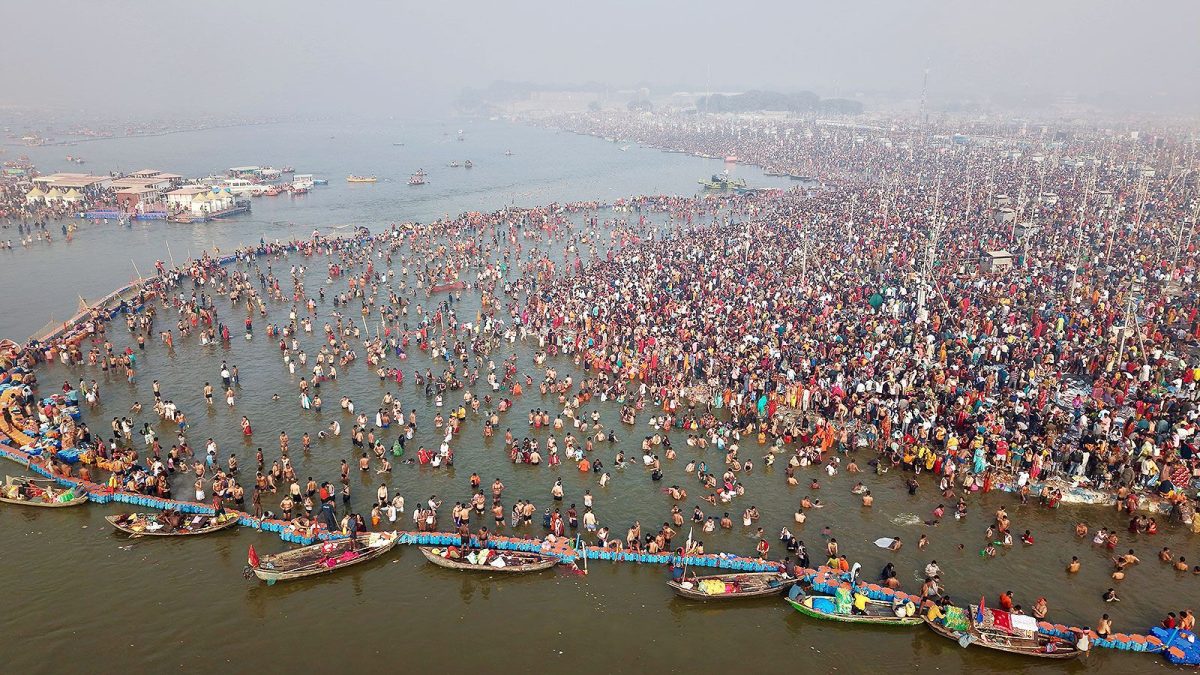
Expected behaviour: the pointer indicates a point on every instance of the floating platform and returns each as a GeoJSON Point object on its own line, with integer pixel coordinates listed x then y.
{"type": "Point", "coordinates": [216, 215]}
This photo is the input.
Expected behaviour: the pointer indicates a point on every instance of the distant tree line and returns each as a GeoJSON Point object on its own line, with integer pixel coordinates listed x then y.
{"type": "Point", "coordinates": [501, 93]}
{"type": "Point", "coordinates": [773, 101]}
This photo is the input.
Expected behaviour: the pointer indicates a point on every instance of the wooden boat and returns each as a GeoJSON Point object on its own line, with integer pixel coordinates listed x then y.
{"type": "Point", "coordinates": [879, 613]}
{"type": "Point", "coordinates": [322, 557]}
{"type": "Point", "coordinates": [361, 179]}
{"type": "Point", "coordinates": [514, 562]}
{"type": "Point", "coordinates": [152, 525]}
{"type": "Point", "coordinates": [45, 493]}
{"type": "Point", "coordinates": [1012, 633]}
{"type": "Point", "coordinates": [733, 586]}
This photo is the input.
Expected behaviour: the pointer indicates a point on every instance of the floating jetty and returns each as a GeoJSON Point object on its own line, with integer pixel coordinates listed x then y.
{"type": "Point", "coordinates": [117, 214]}
{"type": "Point", "coordinates": [239, 207]}
{"type": "Point", "coordinates": [566, 550]}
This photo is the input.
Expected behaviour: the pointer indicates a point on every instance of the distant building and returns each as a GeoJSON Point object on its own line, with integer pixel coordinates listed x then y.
{"type": "Point", "coordinates": [154, 176]}
{"type": "Point", "coordinates": [181, 199]}
{"type": "Point", "coordinates": [86, 184]}
{"type": "Point", "coordinates": [243, 171]}
{"type": "Point", "coordinates": [138, 198]}
{"type": "Point", "coordinates": [198, 200]}
{"type": "Point", "coordinates": [994, 261]}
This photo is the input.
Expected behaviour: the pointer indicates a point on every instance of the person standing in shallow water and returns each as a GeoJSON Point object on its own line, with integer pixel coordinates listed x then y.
{"type": "Point", "coordinates": [901, 392]}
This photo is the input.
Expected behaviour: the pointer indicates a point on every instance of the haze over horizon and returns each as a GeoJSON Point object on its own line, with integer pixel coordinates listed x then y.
{"type": "Point", "coordinates": [379, 58]}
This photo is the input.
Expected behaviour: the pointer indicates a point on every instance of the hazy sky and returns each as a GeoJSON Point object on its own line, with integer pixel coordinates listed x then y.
{"type": "Point", "coordinates": [381, 57]}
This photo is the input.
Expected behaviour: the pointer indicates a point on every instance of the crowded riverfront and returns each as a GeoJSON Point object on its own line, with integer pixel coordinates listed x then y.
{"type": "Point", "coordinates": [941, 315]}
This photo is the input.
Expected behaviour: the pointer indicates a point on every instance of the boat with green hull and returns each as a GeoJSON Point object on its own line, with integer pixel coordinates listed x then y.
{"type": "Point", "coordinates": [720, 182]}
{"type": "Point", "coordinates": [838, 608]}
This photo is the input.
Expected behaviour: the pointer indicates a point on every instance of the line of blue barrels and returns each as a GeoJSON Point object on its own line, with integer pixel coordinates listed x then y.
{"type": "Point", "coordinates": [163, 504]}
{"type": "Point", "coordinates": [718, 560]}
{"type": "Point", "coordinates": [1121, 641]}
{"type": "Point", "coordinates": [441, 539]}
{"type": "Point", "coordinates": [722, 561]}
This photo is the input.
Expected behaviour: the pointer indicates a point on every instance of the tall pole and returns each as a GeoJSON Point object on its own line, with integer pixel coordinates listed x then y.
{"type": "Point", "coordinates": [924, 96]}
{"type": "Point", "coordinates": [1135, 286]}
{"type": "Point", "coordinates": [1141, 204]}
{"type": "Point", "coordinates": [930, 248]}
{"type": "Point", "coordinates": [853, 213]}
{"type": "Point", "coordinates": [1020, 204]}
{"type": "Point", "coordinates": [1041, 190]}
{"type": "Point", "coordinates": [803, 256]}
{"type": "Point", "coordinates": [1192, 226]}
{"type": "Point", "coordinates": [1114, 224]}
{"type": "Point", "coordinates": [970, 188]}
{"type": "Point", "coordinates": [1179, 240]}
{"type": "Point", "coordinates": [1079, 243]}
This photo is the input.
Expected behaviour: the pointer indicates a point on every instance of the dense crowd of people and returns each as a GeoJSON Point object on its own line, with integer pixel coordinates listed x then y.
{"type": "Point", "coordinates": [862, 326]}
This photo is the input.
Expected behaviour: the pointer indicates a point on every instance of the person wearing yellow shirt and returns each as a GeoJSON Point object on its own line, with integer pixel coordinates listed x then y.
{"type": "Point", "coordinates": [934, 613]}
{"type": "Point", "coordinates": [860, 603]}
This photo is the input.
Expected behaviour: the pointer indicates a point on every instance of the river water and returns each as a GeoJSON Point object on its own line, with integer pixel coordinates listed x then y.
{"type": "Point", "coordinates": [544, 167]}
{"type": "Point", "coordinates": [78, 593]}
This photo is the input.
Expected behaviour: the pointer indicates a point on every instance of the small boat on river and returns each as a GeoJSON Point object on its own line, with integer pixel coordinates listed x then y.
{"type": "Point", "coordinates": [320, 558]}
{"type": "Point", "coordinates": [361, 179]}
{"type": "Point", "coordinates": [169, 524]}
{"type": "Point", "coordinates": [838, 608]}
{"type": "Point", "coordinates": [42, 492]}
{"type": "Point", "coordinates": [1002, 631]}
{"type": "Point", "coordinates": [732, 586]}
{"type": "Point", "coordinates": [722, 182]}
{"type": "Point", "coordinates": [491, 560]}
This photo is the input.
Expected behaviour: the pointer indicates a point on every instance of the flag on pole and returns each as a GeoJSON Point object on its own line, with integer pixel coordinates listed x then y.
{"type": "Point", "coordinates": [252, 558]}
